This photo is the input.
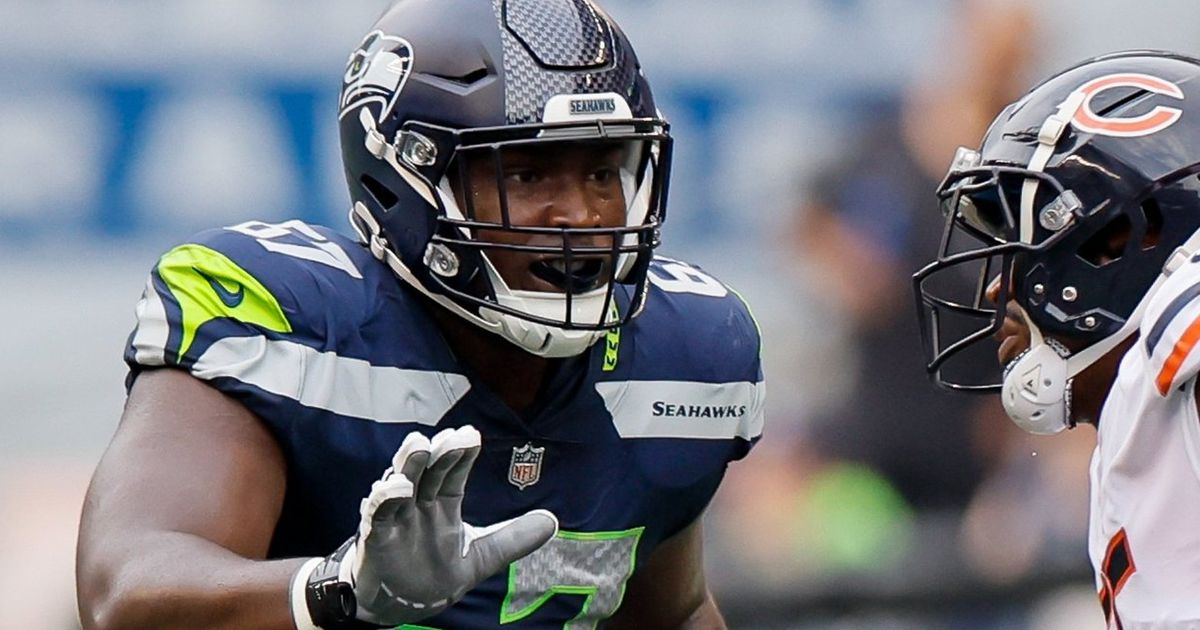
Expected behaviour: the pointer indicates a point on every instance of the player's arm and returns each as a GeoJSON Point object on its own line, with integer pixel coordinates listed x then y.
{"type": "Point", "coordinates": [183, 505]}
{"type": "Point", "coordinates": [180, 513]}
{"type": "Point", "coordinates": [669, 591]}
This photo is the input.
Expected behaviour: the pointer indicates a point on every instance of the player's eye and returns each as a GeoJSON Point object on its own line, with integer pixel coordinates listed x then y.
{"type": "Point", "coordinates": [521, 175]}
{"type": "Point", "coordinates": [604, 175]}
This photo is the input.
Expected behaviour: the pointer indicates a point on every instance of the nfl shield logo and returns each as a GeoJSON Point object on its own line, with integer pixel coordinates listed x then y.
{"type": "Point", "coordinates": [526, 466]}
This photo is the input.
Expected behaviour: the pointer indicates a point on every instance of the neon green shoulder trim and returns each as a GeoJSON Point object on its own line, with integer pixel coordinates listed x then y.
{"type": "Point", "coordinates": [208, 285]}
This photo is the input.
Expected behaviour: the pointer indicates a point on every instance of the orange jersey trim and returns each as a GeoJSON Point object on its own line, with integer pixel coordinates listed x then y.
{"type": "Point", "coordinates": [1178, 354]}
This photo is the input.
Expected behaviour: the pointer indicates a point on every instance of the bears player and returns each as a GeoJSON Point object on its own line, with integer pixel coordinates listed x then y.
{"type": "Point", "coordinates": [1085, 198]}
{"type": "Point", "coordinates": [495, 408]}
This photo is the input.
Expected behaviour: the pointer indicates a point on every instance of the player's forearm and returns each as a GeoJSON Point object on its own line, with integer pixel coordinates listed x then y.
{"type": "Point", "coordinates": [175, 580]}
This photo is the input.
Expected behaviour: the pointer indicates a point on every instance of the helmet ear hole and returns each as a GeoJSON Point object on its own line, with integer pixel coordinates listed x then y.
{"type": "Point", "coordinates": [1108, 244]}
{"type": "Point", "coordinates": [380, 193]}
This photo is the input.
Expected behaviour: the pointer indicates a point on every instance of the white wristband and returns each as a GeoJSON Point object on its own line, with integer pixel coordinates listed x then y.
{"type": "Point", "coordinates": [300, 615]}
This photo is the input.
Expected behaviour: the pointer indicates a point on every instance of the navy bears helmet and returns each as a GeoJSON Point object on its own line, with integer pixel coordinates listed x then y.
{"type": "Point", "coordinates": [1073, 207]}
{"type": "Point", "coordinates": [437, 80]}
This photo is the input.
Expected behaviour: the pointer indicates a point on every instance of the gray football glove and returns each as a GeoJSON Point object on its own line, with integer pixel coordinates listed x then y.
{"type": "Point", "coordinates": [413, 555]}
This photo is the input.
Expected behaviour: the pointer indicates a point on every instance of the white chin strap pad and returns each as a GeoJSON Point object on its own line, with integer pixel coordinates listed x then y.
{"type": "Point", "coordinates": [542, 340]}
{"type": "Point", "coordinates": [1037, 391]}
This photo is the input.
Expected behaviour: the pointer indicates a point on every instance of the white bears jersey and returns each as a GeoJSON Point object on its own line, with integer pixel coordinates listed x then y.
{"type": "Point", "coordinates": [1144, 532]}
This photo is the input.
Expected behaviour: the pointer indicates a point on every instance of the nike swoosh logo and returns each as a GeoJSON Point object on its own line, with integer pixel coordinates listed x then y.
{"type": "Point", "coordinates": [230, 299]}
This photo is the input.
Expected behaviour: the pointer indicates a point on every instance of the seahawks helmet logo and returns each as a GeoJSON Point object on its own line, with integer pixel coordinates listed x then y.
{"type": "Point", "coordinates": [376, 73]}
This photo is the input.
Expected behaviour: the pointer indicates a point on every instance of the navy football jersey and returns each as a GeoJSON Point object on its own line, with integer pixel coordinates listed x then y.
{"type": "Point", "coordinates": [340, 360]}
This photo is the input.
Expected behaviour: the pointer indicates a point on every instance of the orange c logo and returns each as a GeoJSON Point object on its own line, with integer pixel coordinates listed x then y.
{"type": "Point", "coordinates": [1156, 120]}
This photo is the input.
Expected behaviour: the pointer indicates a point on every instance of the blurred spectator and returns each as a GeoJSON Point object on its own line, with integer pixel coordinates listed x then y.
{"type": "Point", "coordinates": [41, 496]}
{"type": "Point", "coordinates": [871, 221]}
{"type": "Point", "coordinates": [899, 489]}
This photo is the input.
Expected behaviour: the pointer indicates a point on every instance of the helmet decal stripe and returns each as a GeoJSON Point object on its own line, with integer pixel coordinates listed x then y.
{"type": "Point", "coordinates": [1153, 121]}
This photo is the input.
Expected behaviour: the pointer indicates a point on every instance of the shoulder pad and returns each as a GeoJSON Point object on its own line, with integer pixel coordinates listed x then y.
{"type": "Point", "coordinates": [714, 317]}
{"type": "Point", "coordinates": [242, 281]}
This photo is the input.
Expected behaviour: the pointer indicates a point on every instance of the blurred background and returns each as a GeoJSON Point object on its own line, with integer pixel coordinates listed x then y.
{"type": "Point", "coordinates": [811, 134]}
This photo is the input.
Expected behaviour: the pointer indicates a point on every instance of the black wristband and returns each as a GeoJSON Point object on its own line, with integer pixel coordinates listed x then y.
{"type": "Point", "coordinates": [331, 602]}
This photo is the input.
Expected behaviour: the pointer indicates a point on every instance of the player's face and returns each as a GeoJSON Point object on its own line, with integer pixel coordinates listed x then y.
{"type": "Point", "coordinates": [576, 185]}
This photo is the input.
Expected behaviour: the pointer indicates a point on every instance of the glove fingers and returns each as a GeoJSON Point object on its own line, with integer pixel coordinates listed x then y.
{"type": "Point", "coordinates": [435, 474]}
{"type": "Point", "coordinates": [496, 546]}
{"type": "Point", "coordinates": [468, 440]}
{"type": "Point", "coordinates": [455, 484]}
{"type": "Point", "coordinates": [450, 439]}
{"type": "Point", "coordinates": [412, 457]}
{"type": "Point", "coordinates": [386, 499]}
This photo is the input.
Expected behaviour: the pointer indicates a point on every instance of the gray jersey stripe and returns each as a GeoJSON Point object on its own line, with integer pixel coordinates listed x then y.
{"type": "Point", "coordinates": [324, 380]}
{"type": "Point", "coordinates": [685, 409]}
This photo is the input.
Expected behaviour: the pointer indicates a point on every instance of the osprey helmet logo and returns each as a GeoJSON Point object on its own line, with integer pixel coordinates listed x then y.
{"type": "Point", "coordinates": [526, 466]}
{"type": "Point", "coordinates": [376, 73]}
{"type": "Point", "coordinates": [1154, 121]}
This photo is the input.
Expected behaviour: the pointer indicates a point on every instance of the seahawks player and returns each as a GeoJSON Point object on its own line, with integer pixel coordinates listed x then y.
{"type": "Point", "coordinates": [495, 408]}
{"type": "Point", "coordinates": [1084, 197]}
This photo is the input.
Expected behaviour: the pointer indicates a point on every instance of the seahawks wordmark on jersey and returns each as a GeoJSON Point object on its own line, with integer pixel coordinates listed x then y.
{"type": "Point", "coordinates": [340, 360]}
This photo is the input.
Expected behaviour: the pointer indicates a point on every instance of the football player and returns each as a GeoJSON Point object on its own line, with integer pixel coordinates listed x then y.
{"type": "Point", "coordinates": [1079, 215]}
{"type": "Point", "coordinates": [496, 407]}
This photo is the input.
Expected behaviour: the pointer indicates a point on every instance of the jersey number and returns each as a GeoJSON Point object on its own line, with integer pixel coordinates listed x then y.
{"type": "Point", "coordinates": [1118, 566]}
{"type": "Point", "coordinates": [593, 564]}
{"type": "Point", "coordinates": [316, 248]}
{"type": "Point", "coordinates": [680, 278]}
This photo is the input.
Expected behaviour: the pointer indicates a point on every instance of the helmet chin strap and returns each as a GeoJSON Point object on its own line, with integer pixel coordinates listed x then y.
{"type": "Point", "coordinates": [1037, 385]}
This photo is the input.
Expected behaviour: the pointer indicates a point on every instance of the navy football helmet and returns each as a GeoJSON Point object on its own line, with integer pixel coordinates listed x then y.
{"type": "Point", "coordinates": [1079, 200]}
{"type": "Point", "coordinates": [437, 80]}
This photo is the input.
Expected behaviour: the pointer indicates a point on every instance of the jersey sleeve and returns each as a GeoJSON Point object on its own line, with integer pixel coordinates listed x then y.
{"type": "Point", "coordinates": [749, 349]}
{"type": "Point", "coordinates": [1170, 331]}
{"type": "Point", "coordinates": [247, 309]}
{"type": "Point", "coordinates": [708, 348]}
